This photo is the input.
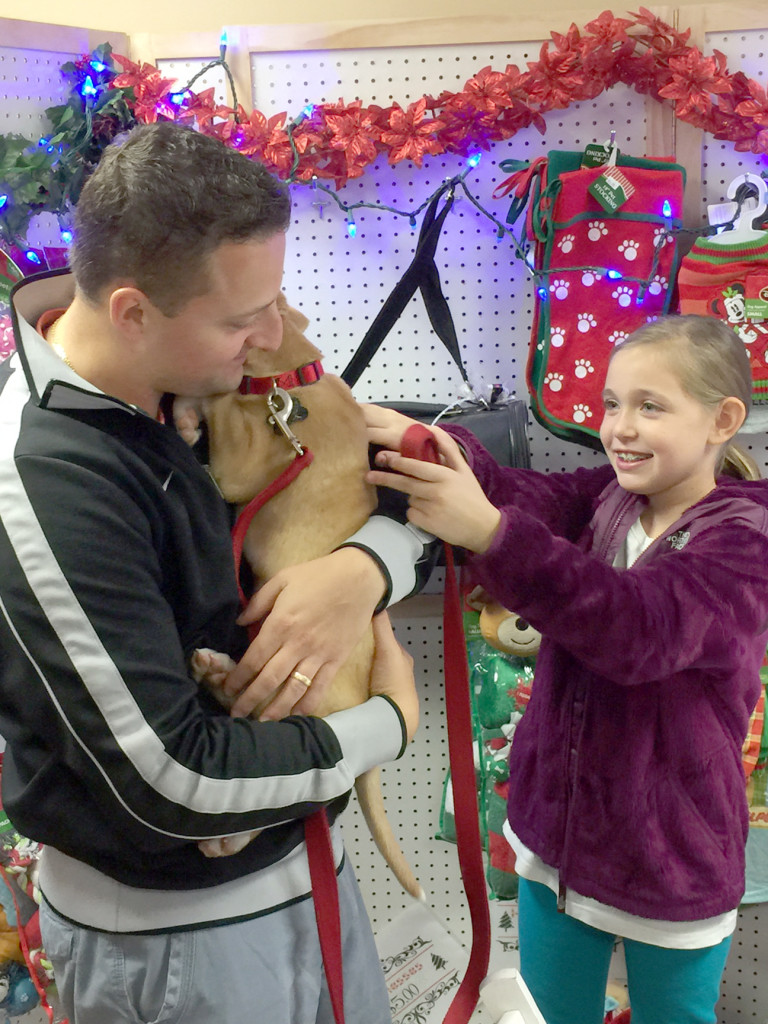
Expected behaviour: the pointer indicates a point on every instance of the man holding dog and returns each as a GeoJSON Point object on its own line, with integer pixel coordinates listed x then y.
{"type": "Point", "coordinates": [115, 565]}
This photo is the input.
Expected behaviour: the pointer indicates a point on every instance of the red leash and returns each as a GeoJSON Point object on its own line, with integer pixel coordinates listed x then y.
{"type": "Point", "coordinates": [325, 892]}
{"type": "Point", "coordinates": [419, 443]}
{"type": "Point", "coordinates": [317, 834]}
{"type": "Point", "coordinates": [243, 521]}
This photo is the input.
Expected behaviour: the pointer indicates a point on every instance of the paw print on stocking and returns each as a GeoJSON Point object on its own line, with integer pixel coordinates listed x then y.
{"type": "Point", "coordinates": [7, 344]}
{"type": "Point", "coordinates": [657, 285]}
{"type": "Point", "coordinates": [566, 243]}
{"type": "Point", "coordinates": [660, 237]}
{"type": "Point", "coordinates": [583, 368]}
{"type": "Point", "coordinates": [559, 289]}
{"type": "Point", "coordinates": [589, 277]}
{"type": "Point", "coordinates": [586, 322]}
{"type": "Point", "coordinates": [629, 249]}
{"type": "Point", "coordinates": [595, 230]}
{"type": "Point", "coordinates": [557, 337]}
{"type": "Point", "coordinates": [581, 413]}
{"type": "Point", "coordinates": [623, 295]}
{"type": "Point", "coordinates": [554, 381]}
{"type": "Point", "coordinates": [617, 337]}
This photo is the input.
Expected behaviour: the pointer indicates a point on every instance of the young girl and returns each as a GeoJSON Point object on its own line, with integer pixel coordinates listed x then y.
{"type": "Point", "coordinates": [648, 578]}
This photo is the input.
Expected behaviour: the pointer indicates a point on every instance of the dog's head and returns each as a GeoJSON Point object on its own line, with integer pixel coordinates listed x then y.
{"type": "Point", "coordinates": [246, 453]}
{"type": "Point", "coordinates": [295, 348]}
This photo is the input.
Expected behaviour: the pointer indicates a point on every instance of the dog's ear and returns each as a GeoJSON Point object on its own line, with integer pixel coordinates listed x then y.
{"type": "Point", "coordinates": [295, 346]}
{"type": "Point", "coordinates": [296, 319]}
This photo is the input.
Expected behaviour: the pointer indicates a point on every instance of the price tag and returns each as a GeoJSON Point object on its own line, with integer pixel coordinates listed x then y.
{"type": "Point", "coordinates": [756, 297]}
{"type": "Point", "coordinates": [423, 965]}
{"type": "Point", "coordinates": [611, 189]}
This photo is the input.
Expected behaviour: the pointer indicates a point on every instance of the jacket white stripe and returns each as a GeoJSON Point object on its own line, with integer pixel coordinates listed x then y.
{"type": "Point", "coordinates": [103, 681]}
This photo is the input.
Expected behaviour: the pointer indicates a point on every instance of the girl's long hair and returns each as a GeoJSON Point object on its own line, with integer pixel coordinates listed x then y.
{"type": "Point", "coordinates": [712, 364]}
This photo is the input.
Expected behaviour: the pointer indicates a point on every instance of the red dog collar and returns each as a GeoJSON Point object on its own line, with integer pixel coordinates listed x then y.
{"type": "Point", "coordinates": [309, 373]}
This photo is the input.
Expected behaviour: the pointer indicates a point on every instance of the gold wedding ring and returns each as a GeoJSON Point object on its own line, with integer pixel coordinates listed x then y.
{"type": "Point", "coordinates": [302, 678]}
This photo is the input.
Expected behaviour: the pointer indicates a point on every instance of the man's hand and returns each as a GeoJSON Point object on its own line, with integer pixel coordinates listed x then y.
{"type": "Point", "coordinates": [392, 673]}
{"type": "Point", "coordinates": [314, 614]}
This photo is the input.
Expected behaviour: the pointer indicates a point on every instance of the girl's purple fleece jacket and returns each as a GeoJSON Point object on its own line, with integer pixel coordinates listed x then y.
{"type": "Point", "coordinates": [625, 771]}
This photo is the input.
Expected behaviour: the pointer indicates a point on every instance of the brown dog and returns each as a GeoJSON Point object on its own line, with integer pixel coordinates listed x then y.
{"type": "Point", "coordinates": [326, 503]}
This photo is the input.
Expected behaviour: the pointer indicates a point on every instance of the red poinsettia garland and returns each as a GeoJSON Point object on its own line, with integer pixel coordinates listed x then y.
{"type": "Point", "coordinates": [337, 141]}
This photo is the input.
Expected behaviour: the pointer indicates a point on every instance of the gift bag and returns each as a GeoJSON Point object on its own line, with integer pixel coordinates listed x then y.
{"type": "Point", "coordinates": [500, 688]}
{"type": "Point", "coordinates": [755, 761]}
{"type": "Point", "coordinates": [25, 979]}
{"type": "Point", "coordinates": [9, 275]}
{"type": "Point", "coordinates": [498, 421]}
{"type": "Point", "coordinates": [604, 255]}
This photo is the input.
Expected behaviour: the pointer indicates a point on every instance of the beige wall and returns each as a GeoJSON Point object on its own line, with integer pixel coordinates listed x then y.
{"type": "Point", "coordinates": [142, 16]}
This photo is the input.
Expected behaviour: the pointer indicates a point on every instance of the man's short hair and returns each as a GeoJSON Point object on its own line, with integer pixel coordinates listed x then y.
{"type": "Point", "coordinates": [157, 206]}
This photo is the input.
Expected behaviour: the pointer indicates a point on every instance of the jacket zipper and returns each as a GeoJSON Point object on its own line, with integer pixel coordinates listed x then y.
{"type": "Point", "coordinates": [622, 510]}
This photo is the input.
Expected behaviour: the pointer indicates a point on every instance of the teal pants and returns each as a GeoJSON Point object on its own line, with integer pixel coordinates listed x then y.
{"type": "Point", "coordinates": [565, 965]}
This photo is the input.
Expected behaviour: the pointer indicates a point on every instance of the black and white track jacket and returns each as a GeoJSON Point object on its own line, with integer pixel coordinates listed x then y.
{"type": "Point", "coordinates": [115, 564]}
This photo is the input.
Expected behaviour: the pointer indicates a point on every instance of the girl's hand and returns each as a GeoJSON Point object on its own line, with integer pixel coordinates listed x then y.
{"type": "Point", "coordinates": [385, 426]}
{"type": "Point", "coordinates": [446, 500]}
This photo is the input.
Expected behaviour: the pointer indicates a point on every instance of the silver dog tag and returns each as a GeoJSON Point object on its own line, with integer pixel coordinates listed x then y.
{"type": "Point", "coordinates": [280, 405]}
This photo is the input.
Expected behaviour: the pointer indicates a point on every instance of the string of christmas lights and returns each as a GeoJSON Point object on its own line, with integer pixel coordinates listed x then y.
{"type": "Point", "coordinates": [338, 140]}
{"type": "Point", "coordinates": [178, 98]}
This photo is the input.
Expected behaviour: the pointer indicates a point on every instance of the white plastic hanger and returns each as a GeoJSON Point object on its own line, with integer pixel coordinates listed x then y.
{"type": "Point", "coordinates": [505, 995]}
{"type": "Point", "coordinates": [751, 208]}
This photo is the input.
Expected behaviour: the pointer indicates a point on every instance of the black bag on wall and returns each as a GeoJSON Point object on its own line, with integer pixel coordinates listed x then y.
{"type": "Point", "coordinates": [499, 424]}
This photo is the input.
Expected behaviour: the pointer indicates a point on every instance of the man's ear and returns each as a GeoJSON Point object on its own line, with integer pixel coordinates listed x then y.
{"type": "Point", "coordinates": [129, 308]}
{"type": "Point", "coordinates": [731, 414]}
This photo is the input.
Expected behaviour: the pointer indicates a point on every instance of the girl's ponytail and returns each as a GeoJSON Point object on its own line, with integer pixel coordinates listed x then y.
{"type": "Point", "coordinates": [737, 463]}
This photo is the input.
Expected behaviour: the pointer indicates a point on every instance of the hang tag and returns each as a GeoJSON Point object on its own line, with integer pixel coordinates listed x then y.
{"type": "Point", "coordinates": [611, 189]}
{"type": "Point", "coordinates": [598, 154]}
{"type": "Point", "coordinates": [423, 965]}
{"type": "Point", "coordinates": [756, 309]}
{"type": "Point", "coordinates": [756, 297]}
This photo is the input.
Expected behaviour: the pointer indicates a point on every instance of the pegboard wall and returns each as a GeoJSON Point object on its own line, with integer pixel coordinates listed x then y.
{"type": "Point", "coordinates": [31, 81]}
{"type": "Point", "coordinates": [341, 282]}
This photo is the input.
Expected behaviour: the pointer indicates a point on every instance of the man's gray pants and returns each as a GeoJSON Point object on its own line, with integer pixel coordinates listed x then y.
{"type": "Point", "coordinates": [266, 970]}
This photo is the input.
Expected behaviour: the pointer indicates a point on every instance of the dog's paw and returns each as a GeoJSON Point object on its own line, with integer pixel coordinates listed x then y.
{"type": "Point", "coordinates": [186, 417]}
{"type": "Point", "coordinates": [226, 845]}
{"type": "Point", "coordinates": [210, 667]}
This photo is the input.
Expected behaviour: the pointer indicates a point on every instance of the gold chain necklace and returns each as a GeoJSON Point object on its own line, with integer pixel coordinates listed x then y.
{"type": "Point", "coordinates": [57, 348]}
